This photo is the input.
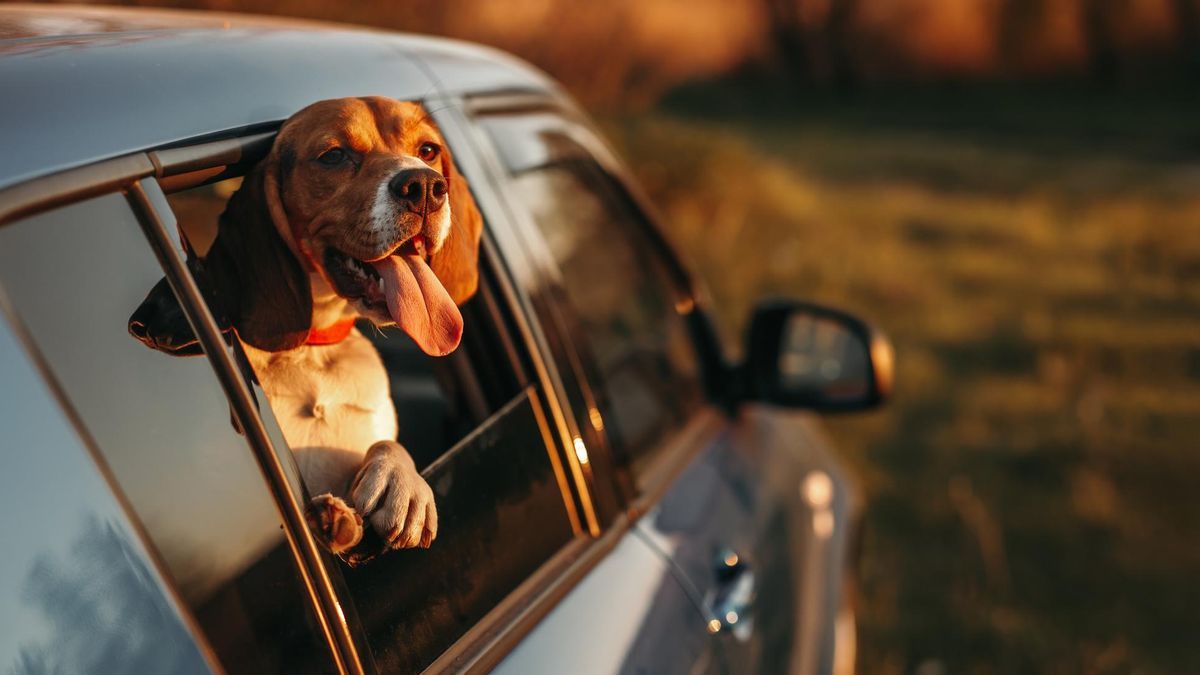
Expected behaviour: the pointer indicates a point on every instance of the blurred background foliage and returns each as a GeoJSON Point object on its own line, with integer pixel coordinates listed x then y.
{"type": "Point", "coordinates": [1011, 189]}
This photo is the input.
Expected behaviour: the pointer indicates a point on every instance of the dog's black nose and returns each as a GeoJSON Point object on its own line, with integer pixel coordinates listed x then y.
{"type": "Point", "coordinates": [421, 190]}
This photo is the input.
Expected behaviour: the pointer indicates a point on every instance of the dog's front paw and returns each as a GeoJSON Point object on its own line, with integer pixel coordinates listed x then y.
{"type": "Point", "coordinates": [390, 492]}
{"type": "Point", "coordinates": [336, 524]}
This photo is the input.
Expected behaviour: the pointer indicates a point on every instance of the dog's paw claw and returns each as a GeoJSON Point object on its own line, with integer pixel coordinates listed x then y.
{"type": "Point", "coordinates": [335, 522]}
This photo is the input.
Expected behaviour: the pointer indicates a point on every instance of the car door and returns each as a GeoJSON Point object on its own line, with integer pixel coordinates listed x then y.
{"type": "Point", "coordinates": [748, 509]}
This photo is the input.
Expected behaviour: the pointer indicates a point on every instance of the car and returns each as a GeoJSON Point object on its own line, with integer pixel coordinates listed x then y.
{"type": "Point", "coordinates": [615, 493]}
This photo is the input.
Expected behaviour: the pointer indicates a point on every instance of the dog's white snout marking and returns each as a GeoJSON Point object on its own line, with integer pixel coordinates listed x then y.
{"type": "Point", "coordinates": [440, 226]}
{"type": "Point", "coordinates": [383, 212]}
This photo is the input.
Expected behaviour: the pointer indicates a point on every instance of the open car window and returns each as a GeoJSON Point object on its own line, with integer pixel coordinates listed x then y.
{"type": "Point", "coordinates": [438, 401]}
{"type": "Point", "coordinates": [474, 424]}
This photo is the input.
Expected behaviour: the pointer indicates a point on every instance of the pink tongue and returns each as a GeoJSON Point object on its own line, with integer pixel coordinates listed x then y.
{"type": "Point", "coordinates": [419, 304]}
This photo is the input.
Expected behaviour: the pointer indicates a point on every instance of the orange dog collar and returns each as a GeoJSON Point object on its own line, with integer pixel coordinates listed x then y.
{"type": "Point", "coordinates": [330, 335]}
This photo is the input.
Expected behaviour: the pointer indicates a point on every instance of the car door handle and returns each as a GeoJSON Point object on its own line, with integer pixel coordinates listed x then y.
{"type": "Point", "coordinates": [731, 600]}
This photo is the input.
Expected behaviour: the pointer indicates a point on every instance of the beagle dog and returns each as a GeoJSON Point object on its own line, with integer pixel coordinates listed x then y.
{"type": "Point", "coordinates": [356, 212]}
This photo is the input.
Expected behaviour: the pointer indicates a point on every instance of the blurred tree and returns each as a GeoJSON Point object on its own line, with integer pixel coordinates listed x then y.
{"type": "Point", "coordinates": [839, 36]}
{"type": "Point", "coordinates": [1100, 20]}
{"type": "Point", "coordinates": [1187, 21]}
{"type": "Point", "coordinates": [1018, 21]}
{"type": "Point", "coordinates": [815, 41]}
{"type": "Point", "coordinates": [789, 36]}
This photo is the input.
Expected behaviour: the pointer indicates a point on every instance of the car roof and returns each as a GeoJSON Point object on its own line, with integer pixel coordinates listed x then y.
{"type": "Point", "coordinates": [82, 84]}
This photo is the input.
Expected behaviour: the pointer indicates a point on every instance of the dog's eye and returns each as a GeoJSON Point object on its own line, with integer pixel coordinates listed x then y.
{"type": "Point", "coordinates": [428, 152]}
{"type": "Point", "coordinates": [332, 157]}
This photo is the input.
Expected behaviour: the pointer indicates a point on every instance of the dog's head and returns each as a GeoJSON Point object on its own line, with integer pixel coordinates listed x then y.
{"type": "Point", "coordinates": [357, 210]}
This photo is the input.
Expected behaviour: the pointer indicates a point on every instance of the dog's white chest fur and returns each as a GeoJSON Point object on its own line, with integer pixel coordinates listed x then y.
{"type": "Point", "coordinates": [332, 402]}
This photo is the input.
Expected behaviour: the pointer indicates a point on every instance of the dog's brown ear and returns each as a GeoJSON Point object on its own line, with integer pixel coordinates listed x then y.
{"type": "Point", "coordinates": [160, 323]}
{"type": "Point", "coordinates": [457, 263]}
{"type": "Point", "coordinates": [256, 278]}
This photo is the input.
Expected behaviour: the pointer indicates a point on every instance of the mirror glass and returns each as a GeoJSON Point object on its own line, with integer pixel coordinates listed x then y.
{"type": "Point", "coordinates": [820, 358]}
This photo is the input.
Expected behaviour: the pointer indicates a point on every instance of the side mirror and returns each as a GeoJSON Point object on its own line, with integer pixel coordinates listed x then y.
{"type": "Point", "coordinates": [803, 355]}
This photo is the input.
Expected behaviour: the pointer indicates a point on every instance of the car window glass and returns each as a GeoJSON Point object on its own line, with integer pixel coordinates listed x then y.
{"type": "Point", "coordinates": [639, 343]}
{"type": "Point", "coordinates": [163, 425]}
{"type": "Point", "coordinates": [80, 593]}
{"type": "Point", "coordinates": [474, 424]}
{"type": "Point", "coordinates": [636, 346]}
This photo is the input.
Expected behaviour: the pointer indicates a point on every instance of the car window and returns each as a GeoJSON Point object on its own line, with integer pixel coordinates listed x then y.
{"type": "Point", "coordinates": [632, 341]}
{"type": "Point", "coordinates": [80, 593]}
{"type": "Point", "coordinates": [474, 423]}
{"type": "Point", "coordinates": [163, 426]}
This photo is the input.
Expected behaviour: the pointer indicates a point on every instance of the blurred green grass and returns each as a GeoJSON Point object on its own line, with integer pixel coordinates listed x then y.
{"type": "Point", "coordinates": [1031, 500]}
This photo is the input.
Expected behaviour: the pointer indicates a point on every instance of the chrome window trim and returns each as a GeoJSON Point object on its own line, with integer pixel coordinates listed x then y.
{"type": "Point", "coordinates": [241, 150]}
{"type": "Point", "coordinates": [73, 185]}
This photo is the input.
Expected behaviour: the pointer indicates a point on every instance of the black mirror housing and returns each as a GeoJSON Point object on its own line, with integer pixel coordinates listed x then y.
{"type": "Point", "coordinates": [803, 355]}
